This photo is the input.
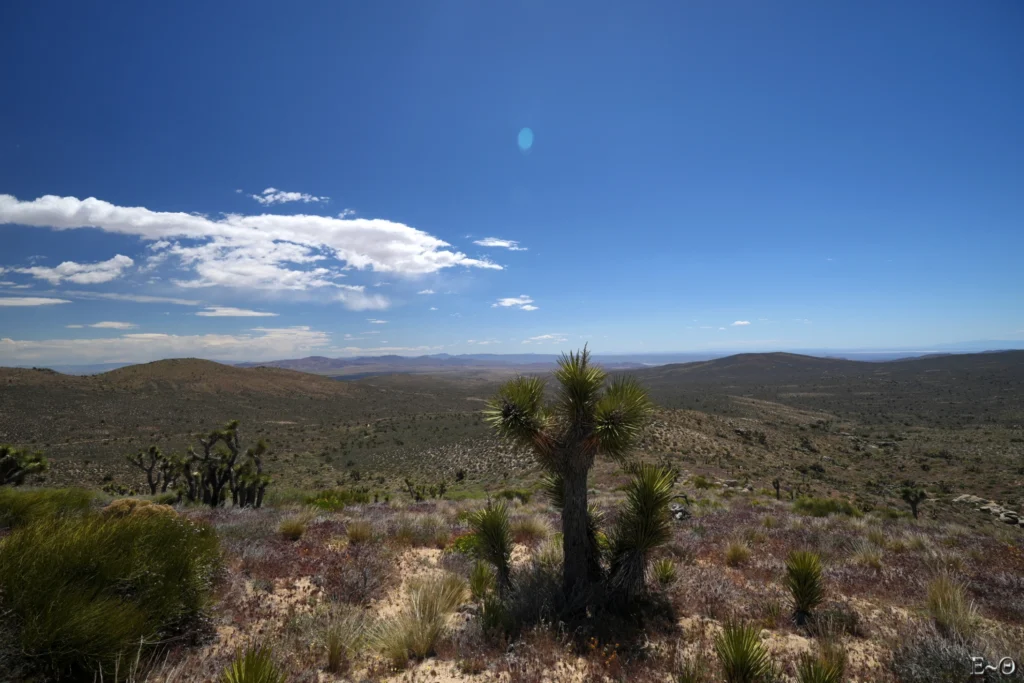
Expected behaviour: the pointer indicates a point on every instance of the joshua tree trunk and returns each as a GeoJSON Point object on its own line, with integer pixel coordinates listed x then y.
{"type": "Point", "coordinates": [576, 545]}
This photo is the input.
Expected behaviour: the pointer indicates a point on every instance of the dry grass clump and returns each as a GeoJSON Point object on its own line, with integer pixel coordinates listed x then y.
{"type": "Point", "coordinates": [292, 528]}
{"type": "Point", "coordinates": [343, 637]}
{"type": "Point", "coordinates": [828, 665]}
{"type": "Point", "coordinates": [664, 572]}
{"type": "Point", "coordinates": [954, 614]}
{"type": "Point", "coordinates": [737, 553]}
{"type": "Point", "coordinates": [529, 530]}
{"type": "Point", "coordinates": [359, 531]}
{"type": "Point", "coordinates": [416, 630]}
{"type": "Point", "coordinates": [868, 556]}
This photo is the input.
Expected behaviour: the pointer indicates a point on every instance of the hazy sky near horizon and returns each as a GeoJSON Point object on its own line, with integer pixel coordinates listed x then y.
{"type": "Point", "coordinates": [248, 181]}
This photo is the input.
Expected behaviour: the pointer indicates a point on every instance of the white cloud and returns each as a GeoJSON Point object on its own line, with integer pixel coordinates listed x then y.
{"type": "Point", "coordinates": [381, 284]}
{"type": "Point", "coordinates": [111, 325]}
{"type": "Point", "coordinates": [30, 301]}
{"type": "Point", "coordinates": [346, 213]}
{"type": "Point", "coordinates": [257, 251]}
{"type": "Point", "coordinates": [375, 321]}
{"type": "Point", "coordinates": [721, 328]}
{"type": "Point", "coordinates": [136, 298]}
{"type": "Point", "coordinates": [258, 344]}
{"type": "Point", "coordinates": [229, 312]}
{"type": "Point", "coordinates": [80, 273]}
{"type": "Point", "coordinates": [355, 298]}
{"type": "Point", "coordinates": [511, 245]}
{"type": "Point", "coordinates": [357, 350]}
{"type": "Point", "coordinates": [272, 195]}
{"type": "Point", "coordinates": [553, 338]}
{"type": "Point", "coordinates": [805, 321]}
{"type": "Point", "coordinates": [426, 291]}
{"type": "Point", "coordinates": [522, 302]}
{"type": "Point", "coordinates": [740, 323]}
{"type": "Point", "coordinates": [433, 308]}
{"type": "Point", "coordinates": [74, 327]}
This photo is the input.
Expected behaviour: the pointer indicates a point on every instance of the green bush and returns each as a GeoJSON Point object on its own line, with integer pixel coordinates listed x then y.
{"type": "Point", "coordinates": [336, 499]}
{"type": "Point", "coordinates": [522, 495]}
{"type": "Point", "coordinates": [494, 541]}
{"type": "Point", "coordinates": [481, 580]}
{"type": "Point", "coordinates": [85, 592]}
{"type": "Point", "coordinates": [20, 507]}
{"type": "Point", "coordinates": [464, 544]}
{"type": "Point", "coordinates": [823, 507]}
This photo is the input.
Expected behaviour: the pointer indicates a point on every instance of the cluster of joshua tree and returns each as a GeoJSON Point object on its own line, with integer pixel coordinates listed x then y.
{"type": "Point", "coordinates": [218, 469]}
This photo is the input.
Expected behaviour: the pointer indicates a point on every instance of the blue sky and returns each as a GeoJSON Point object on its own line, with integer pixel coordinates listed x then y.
{"type": "Point", "coordinates": [843, 175]}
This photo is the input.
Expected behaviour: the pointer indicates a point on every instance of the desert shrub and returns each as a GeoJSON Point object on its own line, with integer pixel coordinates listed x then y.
{"type": "Point", "coordinates": [17, 464]}
{"type": "Point", "coordinates": [464, 544]}
{"type": "Point", "coordinates": [693, 669]}
{"type": "Point", "coordinates": [737, 553]}
{"type": "Point", "coordinates": [481, 580]}
{"type": "Point", "coordinates": [359, 531]}
{"type": "Point", "coordinates": [292, 528]}
{"type": "Point", "coordinates": [877, 537]}
{"type": "Point", "coordinates": [522, 495]}
{"type": "Point", "coordinates": [403, 529]}
{"type": "Point", "coordinates": [529, 530]}
{"type": "Point", "coordinates": [358, 574]}
{"type": "Point", "coordinates": [664, 572]}
{"type": "Point", "coordinates": [948, 604]}
{"type": "Point", "coordinates": [123, 507]}
{"type": "Point", "coordinates": [836, 619]}
{"type": "Point", "coordinates": [922, 655]}
{"type": "Point", "coordinates": [823, 507]}
{"type": "Point", "coordinates": [333, 500]}
{"type": "Point", "coordinates": [494, 541]}
{"type": "Point", "coordinates": [343, 637]}
{"type": "Point", "coordinates": [770, 522]}
{"type": "Point", "coordinates": [741, 654]}
{"type": "Point", "coordinates": [84, 592]}
{"type": "Point", "coordinates": [254, 665]}
{"type": "Point", "coordinates": [431, 531]}
{"type": "Point", "coordinates": [416, 630]}
{"type": "Point", "coordinates": [20, 507]}
{"type": "Point", "coordinates": [701, 482]}
{"type": "Point", "coordinates": [804, 580]}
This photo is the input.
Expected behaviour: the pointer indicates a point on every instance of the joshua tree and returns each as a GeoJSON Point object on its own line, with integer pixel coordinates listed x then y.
{"type": "Point", "coordinates": [149, 461]}
{"type": "Point", "coordinates": [777, 485]}
{"type": "Point", "coordinates": [585, 420]}
{"type": "Point", "coordinates": [913, 497]}
{"type": "Point", "coordinates": [16, 464]}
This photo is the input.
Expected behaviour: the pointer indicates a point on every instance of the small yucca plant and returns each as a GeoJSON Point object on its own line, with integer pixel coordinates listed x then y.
{"type": "Point", "coordinates": [481, 580]}
{"type": "Point", "coordinates": [953, 612]}
{"type": "Point", "coordinates": [828, 666]}
{"type": "Point", "coordinates": [642, 526]}
{"type": "Point", "coordinates": [494, 541]}
{"type": "Point", "coordinates": [803, 577]}
{"type": "Point", "coordinates": [741, 654]}
{"type": "Point", "coordinates": [664, 571]}
{"type": "Point", "coordinates": [255, 665]}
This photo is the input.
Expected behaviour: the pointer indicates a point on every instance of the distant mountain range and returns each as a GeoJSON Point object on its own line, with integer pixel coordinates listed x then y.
{"type": "Point", "coordinates": [361, 366]}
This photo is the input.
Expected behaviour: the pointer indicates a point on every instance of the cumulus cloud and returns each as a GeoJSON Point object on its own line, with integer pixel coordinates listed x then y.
{"type": "Point", "coordinates": [229, 312]}
{"type": "Point", "coordinates": [355, 298]}
{"type": "Point", "coordinates": [30, 301]}
{"type": "Point", "coordinates": [264, 251]}
{"type": "Point", "coordinates": [553, 338]}
{"type": "Point", "coordinates": [257, 344]}
{"type": "Point", "coordinates": [81, 273]}
{"type": "Point", "coordinates": [272, 195]}
{"type": "Point", "coordinates": [511, 245]}
{"type": "Point", "coordinates": [740, 323]}
{"type": "Point", "coordinates": [521, 302]}
{"type": "Point", "coordinates": [426, 291]}
{"type": "Point", "coordinates": [433, 308]}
